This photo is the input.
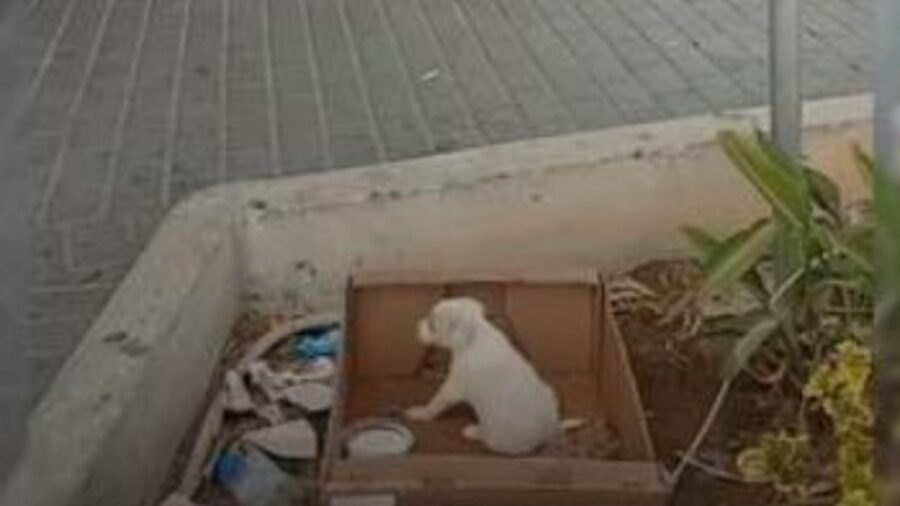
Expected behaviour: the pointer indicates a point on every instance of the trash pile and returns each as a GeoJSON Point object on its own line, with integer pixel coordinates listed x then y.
{"type": "Point", "coordinates": [260, 439]}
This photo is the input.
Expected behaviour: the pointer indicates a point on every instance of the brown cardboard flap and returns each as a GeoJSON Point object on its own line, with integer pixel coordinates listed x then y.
{"type": "Point", "coordinates": [619, 389]}
{"type": "Point", "coordinates": [549, 316]}
{"type": "Point", "coordinates": [500, 497]}
{"type": "Point", "coordinates": [384, 329]}
{"type": "Point", "coordinates": [559, 276]}
{"type": "Point", "coordinates": [522, 474]}
{"type": "Point", "coordinates": [490, 293]}
{"type": "Point", "coordinates": [555, 325]}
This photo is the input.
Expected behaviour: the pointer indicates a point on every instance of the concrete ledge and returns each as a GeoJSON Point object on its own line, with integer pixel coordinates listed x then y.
{"type": "Point", "coordinates": [108, 427]}
{"type": "Point", "coordinates": [112, 419]}
{"type": "Point", "coordinates": [606, 199]}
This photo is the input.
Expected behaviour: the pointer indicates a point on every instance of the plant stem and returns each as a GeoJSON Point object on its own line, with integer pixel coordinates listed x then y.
{"type": "Point", "coordinates": [711, 470]}
{"type": "Point", "coordinates": [688, 456]}
{"type": "Point", "coordinates": [783, 289]}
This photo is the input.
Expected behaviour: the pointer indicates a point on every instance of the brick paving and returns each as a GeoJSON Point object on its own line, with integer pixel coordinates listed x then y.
{"type": "Point", "coordinates": [134, 104]}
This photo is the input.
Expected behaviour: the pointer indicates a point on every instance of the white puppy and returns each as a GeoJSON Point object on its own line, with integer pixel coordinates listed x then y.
{"type": "Point", "coordinates": [517, 412]}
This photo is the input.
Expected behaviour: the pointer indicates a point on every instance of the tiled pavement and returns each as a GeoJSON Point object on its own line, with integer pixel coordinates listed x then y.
{"type": "Point", "coordinates": [136, 103]}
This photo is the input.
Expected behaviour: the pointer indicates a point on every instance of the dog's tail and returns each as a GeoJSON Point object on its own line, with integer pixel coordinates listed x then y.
{"type": "Point", "coordinates": [570, 424]}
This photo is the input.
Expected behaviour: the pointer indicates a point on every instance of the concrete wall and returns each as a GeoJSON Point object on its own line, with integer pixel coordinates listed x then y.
{"type": "Point", "coordinates": [607, 199]}
{"type": "Point", "coordinates": [108, 428]}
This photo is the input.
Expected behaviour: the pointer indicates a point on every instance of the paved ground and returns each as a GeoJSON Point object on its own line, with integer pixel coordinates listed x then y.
{"type": "Point", "coordinates": [18, 194]}
{"type": "Point", "coordinates": [136, 103]}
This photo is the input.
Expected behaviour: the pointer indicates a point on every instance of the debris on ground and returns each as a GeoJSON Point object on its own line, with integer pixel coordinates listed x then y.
{"type": "Point", "coordinates": [431, 75]}
{"type": "Point", "coordinates": [271, 413]}
{"type": "Point", "coordinates": [254, 480]}
{"type": "Point", "coordinates": [319, 369]}
{"type": "Point", "coordinates": [313, 397]}
{"type": "Point", "coordinates": [237, 398]}
{"type": "Point", "coordinates": [270, 383]}
{"type": "Point", "coordinates": [281, 331]}
{"type": "Point", "coordinates": [264, 424]}
{"type": "Point", "coordinates": [291, 440]}
{"type": "Point", "coordinates": [626, 294]}
{"type": "Point", "coordinates": [317, 342]}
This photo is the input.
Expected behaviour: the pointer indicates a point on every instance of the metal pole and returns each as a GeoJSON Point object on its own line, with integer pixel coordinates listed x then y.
{"type": "Point", "coordinates": [786, 112]}
{"type": "Point", "coordinates": [784, 74]}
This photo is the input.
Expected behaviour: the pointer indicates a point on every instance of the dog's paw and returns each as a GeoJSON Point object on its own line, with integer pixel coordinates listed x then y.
{"type": "Point", "coordinates": [471, 432]}
{"type": "Point", "coordinates": [419, 414]}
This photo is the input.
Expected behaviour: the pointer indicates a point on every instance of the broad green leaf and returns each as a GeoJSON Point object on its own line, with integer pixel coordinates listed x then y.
{"type": "Point", "coordinates": [747, 346]}
{"type": "Point", "coordinates": [793, 250]}
{"type": "Point", "coordinates": [887, 206]}
{"type": "Point", "coordinates": [702, 241]}
{"type": "Point", "coordinates": [792, 255]}
{"type": "Point", "coordinates": [753, 283]}
{"type": "Point", "coordinates": [709, 248]}
{"type": "Point", "coordinates": [856, 243]}
{"type": "Point", "coordinates": [730, 242]}
{"type": "Point", "coordinates": [776, 154]}
{"type": "Point", "coordinates": [732, 261]}
{"type": "Point", "coordinates": [733, 326]}
{"type": "Point", "coordinates": [738, 256]}
{"type": "Point", "coordinates": [751, 280]}
{"type": "Point", "coordinates": [825, 192]}
{"type": "Point", "coordinates": [865, 166]}
{"type": "Point", "coordinates": [784, 190]}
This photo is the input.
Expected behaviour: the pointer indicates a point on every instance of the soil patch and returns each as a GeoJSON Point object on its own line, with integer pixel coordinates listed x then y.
{"type": "Point", "coordinates": [678, 382]}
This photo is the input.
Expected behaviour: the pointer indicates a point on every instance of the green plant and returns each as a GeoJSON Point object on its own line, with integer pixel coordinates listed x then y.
{"type": "Point", "coordinates": [810, 266]}
{"type": "Point", "coordinates": [780, 459]}
{"type": "Point", "coordinates": [825, 250]}
{"type": "Point", "coordinates": [887, 199]}
{"type": "Point", "coordinates": [841, 386]}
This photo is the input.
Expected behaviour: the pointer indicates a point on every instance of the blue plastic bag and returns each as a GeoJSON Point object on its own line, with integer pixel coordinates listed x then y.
{"type": "Point", "coordinates": [316, 342]}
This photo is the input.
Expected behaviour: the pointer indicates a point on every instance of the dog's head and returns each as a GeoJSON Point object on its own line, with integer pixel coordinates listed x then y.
{"type": "Point", "coordinates": [451, 323]}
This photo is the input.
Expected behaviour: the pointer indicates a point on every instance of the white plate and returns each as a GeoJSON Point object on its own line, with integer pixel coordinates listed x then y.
{"type": "Point", "coordinates": [378, 438]}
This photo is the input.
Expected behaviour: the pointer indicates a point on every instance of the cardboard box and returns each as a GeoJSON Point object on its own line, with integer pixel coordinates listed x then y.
{"type": "Point", "coordinates": [562, 324]}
